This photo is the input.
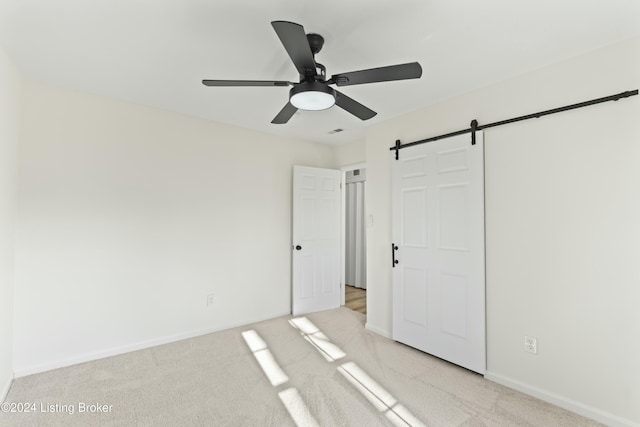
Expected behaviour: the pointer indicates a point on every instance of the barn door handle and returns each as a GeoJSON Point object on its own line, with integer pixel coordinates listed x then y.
{"type": "Point", "coordinates": [298, 247]}
{"type": "Point", "coordinates": [394, 261]}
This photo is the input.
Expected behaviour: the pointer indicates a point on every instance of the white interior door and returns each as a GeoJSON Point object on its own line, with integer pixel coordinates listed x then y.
{"type": "Point", "coordinates": [438, 229]}
{"type": "Point", "coordinates": [316, 239]}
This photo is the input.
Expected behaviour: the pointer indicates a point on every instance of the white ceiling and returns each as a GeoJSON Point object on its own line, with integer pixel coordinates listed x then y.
{"type": "Point", "coordinates": [156, 52]}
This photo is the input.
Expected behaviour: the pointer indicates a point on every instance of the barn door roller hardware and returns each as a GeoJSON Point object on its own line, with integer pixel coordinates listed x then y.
{"type": "Point", "coordinates": [475, 127]}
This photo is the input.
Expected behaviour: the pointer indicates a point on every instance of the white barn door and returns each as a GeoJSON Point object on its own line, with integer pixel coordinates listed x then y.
{"type": "Point", "coordinates": [316, 239]}
{"type": "Point", "coordinates": [438, 230]}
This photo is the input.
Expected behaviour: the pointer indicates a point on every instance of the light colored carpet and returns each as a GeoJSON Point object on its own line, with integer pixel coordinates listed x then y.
{"type": "Point", "coordinates": [322, 369]}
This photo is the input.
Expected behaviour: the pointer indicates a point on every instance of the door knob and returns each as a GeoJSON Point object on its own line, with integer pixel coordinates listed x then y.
{"type": "Point", "coordinates": [298, 247]}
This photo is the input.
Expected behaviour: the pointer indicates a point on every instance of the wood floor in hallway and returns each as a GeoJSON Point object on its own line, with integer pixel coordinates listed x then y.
{"type": "Point", "coordinates": [355, 299]}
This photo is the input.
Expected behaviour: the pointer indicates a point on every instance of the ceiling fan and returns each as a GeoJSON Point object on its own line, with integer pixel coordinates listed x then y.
{"type": "Point", "coordinates": [313, 91]}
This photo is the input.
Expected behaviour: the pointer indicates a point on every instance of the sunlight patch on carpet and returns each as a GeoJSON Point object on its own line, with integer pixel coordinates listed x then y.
{"type": "Point", "coordinates": [380, 398]}
{"type": "Point", "coordinates": [297, 408]}
{"type": "Point", "coordinates": [291, 399]}
{"type": "Point", "coordinates": [265, 359]}
{"type": "Point", "coordinates": [316, 338]}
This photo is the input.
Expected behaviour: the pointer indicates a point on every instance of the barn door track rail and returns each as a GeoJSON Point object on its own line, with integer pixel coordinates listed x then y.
{"type": "Point", "coordinates": [474, 126]}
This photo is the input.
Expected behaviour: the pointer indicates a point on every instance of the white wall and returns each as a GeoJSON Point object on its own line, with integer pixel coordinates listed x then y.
{"type": "Point", "coordinates": [129, 217]}
{"type": "Point", "coordinates": [349, 154]}
{"type": "Point", "coordinates": [562, 224]}
{"type": "Point", "coordinates": [10, 86]}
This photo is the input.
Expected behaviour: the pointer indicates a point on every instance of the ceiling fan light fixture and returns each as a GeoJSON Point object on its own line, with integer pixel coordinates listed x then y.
{"type": "Point", "coordinates": [312, 96]}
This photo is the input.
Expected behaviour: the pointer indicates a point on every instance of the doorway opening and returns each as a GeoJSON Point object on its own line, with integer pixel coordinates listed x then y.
{"type": "Point", "coordinates": [354, 229]}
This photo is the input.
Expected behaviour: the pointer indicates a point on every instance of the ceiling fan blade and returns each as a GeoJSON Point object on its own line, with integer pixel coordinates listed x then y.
{"type": "Point", "coordinates": [295, 42]}
{"type": "Point", "coordinates": [284, 115]}
{"type": "Point", "coordinates": [412, 70]}
{"type": "Point", "coordinates": [353, 107]}
{"type": "Point", "coordinates": [228, 83]}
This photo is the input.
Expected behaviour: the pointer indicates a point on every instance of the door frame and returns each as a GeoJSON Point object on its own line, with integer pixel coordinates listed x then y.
{"type": "Point", "coordinates": [343, 225]}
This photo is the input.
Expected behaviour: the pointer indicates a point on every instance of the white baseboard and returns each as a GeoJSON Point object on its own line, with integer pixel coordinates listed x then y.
{"type": "Point", "coordinates": [561, 401]}
{"type": "Point", "coordinates": [115, 351]}
{"type": "Point", "coordinates": [4, 391]}
{"type": "Point", "coordinates": [377, 330]}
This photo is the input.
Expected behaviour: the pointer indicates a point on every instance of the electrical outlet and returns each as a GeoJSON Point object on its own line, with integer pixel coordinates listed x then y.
{"type": "Point", "coordinates": [210, 300]}
{"type": "Point", "coordinates": [531, 344]}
